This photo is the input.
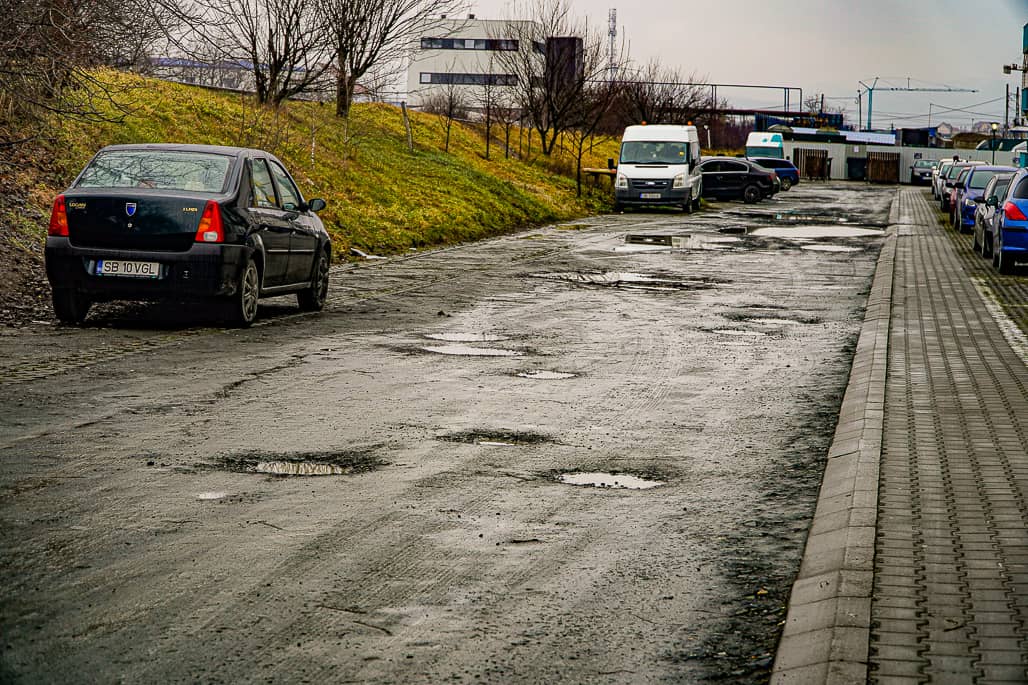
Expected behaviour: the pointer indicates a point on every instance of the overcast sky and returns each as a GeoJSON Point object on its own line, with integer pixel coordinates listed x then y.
{"type": "Point", "coordinates": [828, 46]}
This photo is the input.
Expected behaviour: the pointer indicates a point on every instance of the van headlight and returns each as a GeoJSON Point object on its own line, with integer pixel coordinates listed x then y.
{"type": "Point", "coordinates": [622, 182]}
{"type": "Point", "coordinates": [679, 181]}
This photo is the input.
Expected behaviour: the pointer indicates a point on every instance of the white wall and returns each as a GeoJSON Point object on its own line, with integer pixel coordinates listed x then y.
{"type": "Point", "coordinates": [838, 152]}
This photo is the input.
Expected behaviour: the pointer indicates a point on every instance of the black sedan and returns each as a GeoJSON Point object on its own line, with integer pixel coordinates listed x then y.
{"type": "Point", "coordinates": [734, 178]}
{"type": "Point", "coordinates": [146, 222]}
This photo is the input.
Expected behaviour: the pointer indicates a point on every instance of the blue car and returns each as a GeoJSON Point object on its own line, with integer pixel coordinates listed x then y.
{"type": "Point", "coordinates": [787, 172]}
{"type": "Point", "coordinates": [1011, 228]}
{"type": "Point", "coordinates": [969, 192]}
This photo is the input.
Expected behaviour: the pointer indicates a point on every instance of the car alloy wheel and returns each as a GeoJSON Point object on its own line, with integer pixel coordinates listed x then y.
{"type": "Point", "coordinates": [242, 306]}
{"type": "Point", "coordinates": [751, 194]}
{"type": "Point", "coordinates": [313, 299]}
{"type": "Point", "coordinates": [786, 183]}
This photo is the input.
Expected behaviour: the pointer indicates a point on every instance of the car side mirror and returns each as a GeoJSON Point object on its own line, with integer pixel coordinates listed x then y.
{"type": "Point", "coordinates": [610, 164]}
{"type": "Point", "coordinates": [993, 201]}
{"type": "Point", "coordinates": [316, 205]}
{"type": "Point", "coordinates": [958, 185]}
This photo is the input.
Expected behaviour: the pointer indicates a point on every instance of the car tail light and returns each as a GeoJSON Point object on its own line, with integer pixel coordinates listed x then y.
{"type": "Point", "coordinates": [1012, 211]}
{"type": "Point", "coordinates": [210, 229]}
{"type": "Point", "coordinates": [58, 218]}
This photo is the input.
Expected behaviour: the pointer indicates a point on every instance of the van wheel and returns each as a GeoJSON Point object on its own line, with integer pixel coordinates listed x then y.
{"type": "Point", "coordinates": [687, 205]}
{"type": "Point", "coordinates": [70, 306]}
{"type": "Point", "coordinates": [786, 183]}
{"type": "Point", "coordinates": [751, 194]}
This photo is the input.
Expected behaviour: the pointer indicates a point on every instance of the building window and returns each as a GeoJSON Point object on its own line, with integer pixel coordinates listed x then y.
{"type": "Point", "coordinates": [491, 44]}
{"type": "Point", "coordinates": [437, 79]}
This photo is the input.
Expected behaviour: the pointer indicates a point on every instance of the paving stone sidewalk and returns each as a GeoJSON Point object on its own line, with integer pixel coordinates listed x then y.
{"type": "Point", "coordinates": [916, 566]}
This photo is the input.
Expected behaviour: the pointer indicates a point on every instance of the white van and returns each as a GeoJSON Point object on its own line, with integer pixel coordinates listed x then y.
{"type": "Point", "coordinates": [658, 167]}
{"type": "Point", "coordinates": [761, 144]}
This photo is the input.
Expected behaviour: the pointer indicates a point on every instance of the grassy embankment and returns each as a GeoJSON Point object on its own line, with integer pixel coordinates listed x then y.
{"type": "Point", "coordinates": [381, 197]}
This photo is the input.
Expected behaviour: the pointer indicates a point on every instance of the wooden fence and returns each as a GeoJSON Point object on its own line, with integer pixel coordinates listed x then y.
{"type": "Point", "coordinates": [812, 163]}
{"type": "Point", "coordinates": [883, 167]}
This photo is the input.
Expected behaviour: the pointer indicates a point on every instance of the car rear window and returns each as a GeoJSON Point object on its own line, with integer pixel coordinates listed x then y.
{"type": "Point", "coordinates": [1021, 191]}
{"type": "Point", "coordinates": [161, 169]}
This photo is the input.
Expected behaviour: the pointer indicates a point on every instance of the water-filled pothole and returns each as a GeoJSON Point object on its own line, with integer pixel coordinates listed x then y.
{"type": "Point", "coordinates": [832, 248]}
{"type": "Point", "coordinates": [341, 463]}
{"type": "Point", "coordinates": [794, 232]}
{"type": "Point", "coordinates": [609, 480]}
{"type": "Point", "coordinates": [461, 350]}
{"type": "Point", "coordinates": [496, 438]}
{"type": "Point", "coordinates": [742, 333]}
{"type": "Point", "coordinates": [465, 337]}
{"type": "Point", "coordinates": [546, 375]}
{"type": "Point", "coordinates": [631, 281]}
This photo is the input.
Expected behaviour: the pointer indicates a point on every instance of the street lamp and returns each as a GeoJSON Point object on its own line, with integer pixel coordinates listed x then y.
{"type": "Point", "coordinates": [994, 127]}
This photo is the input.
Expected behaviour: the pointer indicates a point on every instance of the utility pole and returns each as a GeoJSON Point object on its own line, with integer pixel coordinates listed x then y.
{"type": "Point", "coordinates": [874, 86]}
{"type": "Point", "coordinates": [612, 32]}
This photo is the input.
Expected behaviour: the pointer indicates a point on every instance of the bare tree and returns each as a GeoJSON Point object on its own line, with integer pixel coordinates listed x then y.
{"type": "Point", "coordinates": [49, 50]}
{"type": "Point", "coordinates": [557, 59]}
{"type": "Point", "coordinates": [659, 95]}
{"type": "Point", "coordinates": [449, 104]}
{"type": "Point", "coordinates": [285, 42]}
{"type": "Point", "coordinates": [506, 113]}
{"type": "Point", "coordinates": [596, 99]}
{"type": "Point", "coordinates": [372, 37]}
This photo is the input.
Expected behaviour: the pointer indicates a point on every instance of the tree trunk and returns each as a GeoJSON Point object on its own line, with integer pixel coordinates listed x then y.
{"type": "Point", "coordinates": [345, 85]}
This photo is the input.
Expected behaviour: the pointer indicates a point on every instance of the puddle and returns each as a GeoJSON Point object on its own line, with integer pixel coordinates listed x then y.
{"type": "Point", "coordinates": [816, 232]}
{"type": "Point", "coordinates": [469, 351]}
{"type": "Point", "coordinates": [737, 332]}
{"type": "Point", "coordinates": [627, 280]}
{"type": "Point", "coordinates": [496, 438]}
{"type": "Point", "coordinates": [609, 480]}
{"type": "Point", "coordinates": [832, 248]}
{"type": "Point", "coordinates": [208, 496]}
{"type": "Point", "coordinates": [304, 463]}
{"type": "Point", "coordinates": [465, 337]}
{"type": "Point", "coordinates": [741, 230]}
{"type": "Point", "coordinates": [546, 375]}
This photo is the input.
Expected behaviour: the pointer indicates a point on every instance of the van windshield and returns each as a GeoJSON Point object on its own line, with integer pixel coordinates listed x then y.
{"type": "Point", "coordinates": [662, 152]}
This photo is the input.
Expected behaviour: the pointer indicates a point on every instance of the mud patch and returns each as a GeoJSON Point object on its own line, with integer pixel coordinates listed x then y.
{"type": "Point", "coordinates": [546, 375]}
{"type": "Point", "coordinates": [460, 350]}
{"type": "Point", "coordinates": [629, 281]}
{"type": "Point", "coordinates": [304, 463]}
{"type": "Point", "coordinates": [499, 438]}
{"type": "Point", "coordinates": [618, 481]}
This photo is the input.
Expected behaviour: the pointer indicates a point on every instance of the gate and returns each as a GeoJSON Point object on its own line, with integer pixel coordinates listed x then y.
{"type": "Point", "coordinates": [813, 164]}
{"type": "Point", "coordinates": [883, 167]}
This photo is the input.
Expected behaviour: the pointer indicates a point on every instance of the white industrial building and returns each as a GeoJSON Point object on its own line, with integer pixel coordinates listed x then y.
{"type": "Point", "coordinates": [464, 53]}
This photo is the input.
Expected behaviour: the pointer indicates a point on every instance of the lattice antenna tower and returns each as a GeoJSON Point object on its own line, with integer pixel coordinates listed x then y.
{"type": "Point", "coordinates": [612, 31]}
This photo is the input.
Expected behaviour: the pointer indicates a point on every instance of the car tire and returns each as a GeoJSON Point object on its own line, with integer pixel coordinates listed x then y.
{"type": "Point", "coordinates": [696, 204]}
{"type": "Point", "coordinates": [1004, 264]}
{"type": "Point", "coordinates": [986, 245]}
{"type": "Point", "coordinates": [751, 194]}
{"type": "Point", "coordinates": [241, 307]}
{"type": "Point", "coordinates": [313, 298]}
{"type": "Point", "coordinates": [786, 183]}
{"type": "Point", "coordinates": [618, 207]}
{"type": "Point", "coordinates": [70, 306]}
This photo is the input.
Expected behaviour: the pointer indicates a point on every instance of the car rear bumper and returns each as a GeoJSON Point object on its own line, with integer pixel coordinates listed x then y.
{"type": "Point", "coordinates": [205, 270]}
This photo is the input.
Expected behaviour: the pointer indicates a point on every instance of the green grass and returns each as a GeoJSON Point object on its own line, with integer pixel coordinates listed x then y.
{"type": "Point", "coordinates": [382, 197]}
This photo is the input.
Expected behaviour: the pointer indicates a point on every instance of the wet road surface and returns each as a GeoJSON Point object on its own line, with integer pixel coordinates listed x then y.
{"type": "Point", "coordinates": [551, 457]}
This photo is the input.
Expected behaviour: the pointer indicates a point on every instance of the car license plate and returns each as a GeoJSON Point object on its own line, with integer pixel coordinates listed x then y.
{"type": "Point", "coordinates": [650, 196]}
{"type": "Point", "coordinates": [119, 267]}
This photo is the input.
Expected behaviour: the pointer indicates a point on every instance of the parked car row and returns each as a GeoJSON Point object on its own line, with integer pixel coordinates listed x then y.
{"type": "Point", "coordinates": [185, 222]}
{"type": "Point", "coordinates": [1001, 219]}
{"type": "Point", "coordinates": [661, 165]}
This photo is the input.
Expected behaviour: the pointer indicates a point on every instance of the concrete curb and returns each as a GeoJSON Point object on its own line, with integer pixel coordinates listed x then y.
{"type": "Point", "coordinates": [827, 631]}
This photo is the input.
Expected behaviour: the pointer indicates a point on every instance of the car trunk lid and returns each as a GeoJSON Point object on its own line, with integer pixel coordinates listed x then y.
{"type": "Point", "coordinates": [133, 220]}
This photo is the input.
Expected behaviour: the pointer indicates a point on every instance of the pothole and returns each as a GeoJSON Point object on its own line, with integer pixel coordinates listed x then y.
{"type": "Point", "coordinates": [499, 438]}
{"type": "Point", "coordinates": [211, 496]}
{"type": "Point", "coordinates": [609, 480]}
{"type": "Point", "coordinates": [832, 248]}
{"type": "Point", "coordinates": [546, 375]}
{"type": "Point", "coordinates": [465, 337]}
{"type": "Point", "coordinates": [460, 350]}
{"type": "Point", "coordinates": [628, 281]}
{"type": "Point", "coordinates": [794, 232]}
{"type": "Point", "coordinates": [738, 332]}
{"type": "Point", "coordinates": [305, 463]}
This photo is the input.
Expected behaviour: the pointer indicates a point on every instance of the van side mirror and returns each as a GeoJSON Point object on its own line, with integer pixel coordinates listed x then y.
{"type": "Point", "coordinates": [610, 164]}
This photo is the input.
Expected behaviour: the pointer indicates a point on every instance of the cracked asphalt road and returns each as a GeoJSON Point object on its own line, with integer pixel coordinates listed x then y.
{"type": "Point", "coordinates": [153, 527]}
